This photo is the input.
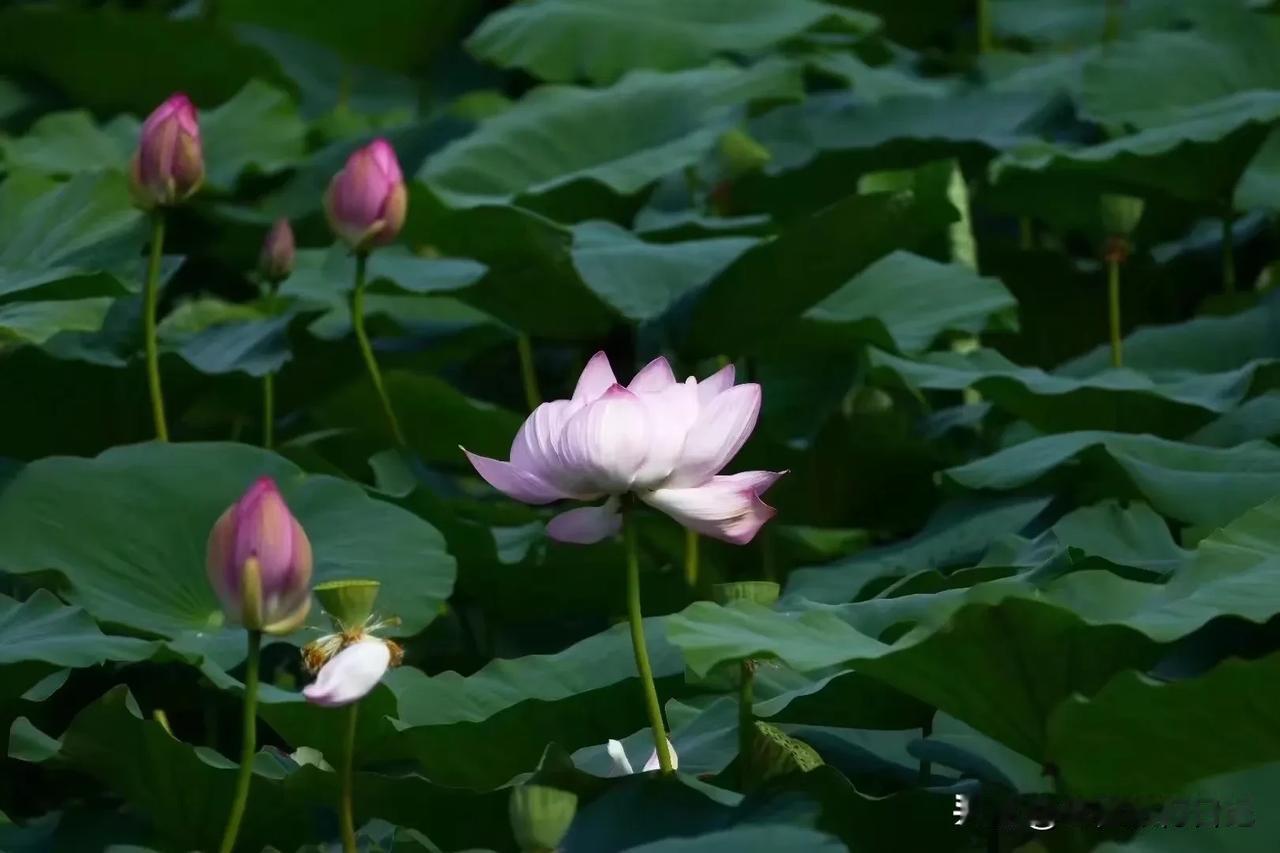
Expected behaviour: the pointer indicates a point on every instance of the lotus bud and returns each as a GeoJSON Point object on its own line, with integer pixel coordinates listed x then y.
{"type": "Point", "coordinates": [168, 166]}
{"type": "Point", "coordinates": [259, 562]}
{"type": "Point", "coordinates": [275, 262]}
{"type": "Point", "coordinates": [742, 153]}
{"type": "Point", "coordinates": [366, 201]}
{"type": "Point", "coordinates": [541, 816]}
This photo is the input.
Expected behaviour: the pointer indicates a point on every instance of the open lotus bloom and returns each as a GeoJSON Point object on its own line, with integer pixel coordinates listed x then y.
{"type": "Point", "coordinates": [662, 440]}
{"type": "Point", "coordinates": [350, 674]}
{"type": "Point", "coordinates": [622, 765]}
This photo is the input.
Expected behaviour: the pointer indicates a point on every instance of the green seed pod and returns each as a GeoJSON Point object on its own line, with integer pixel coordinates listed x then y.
{"type": "Point", "coordinates": [350, 602]}
{"type": "Point", "coordinates": [742, 153]}
{"type": "Point", "coordinates": [761, 592]}
{"type": "Point", "coordinates": [1120, 214]}
{"type": "Point", "coordinates": [775, 753]}
{"type": "Point", "coordinates": [540, 816]}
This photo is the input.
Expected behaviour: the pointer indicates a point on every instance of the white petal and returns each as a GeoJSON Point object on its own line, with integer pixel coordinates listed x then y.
{"type": "Point", "coordinates": [653, 377]}
{"type": "Point", "coordinates": [513, 481]}
{"type": "Point", "coordinates": [604, 445]}
{"type": "Point", "coordinates": [727, 508]}
{"type": "Point", "coordinates": [672, 413]}
{"type": "Point", "coordinates": [534, 447]}
{"type": "Point", "coordinates": [654, 764]}
{"type": "Point", "coordinates": [586, 525]}
{"type": "Point", "coordinates": [716, 383]}
{"type": "Point", "coordinates": [350, 674]}
{"type": "Point", "coordinates": [723, 426]}
{"type": "Point", "coordinates": [597, 377]}
{"type": "Point", "coordinates": [621, 766]}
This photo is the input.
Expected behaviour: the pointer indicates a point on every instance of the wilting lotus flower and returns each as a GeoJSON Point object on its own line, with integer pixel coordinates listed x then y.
{"type": "Point", "coordinates": [367, 200]}
{"type": "Point", "coordinates": [662, 440]}
{"type": "Point", "coordinates": [275, 261]}
{"type": "Point", "coordinates": [168, 165]}
{"type": "Point", "coordinates": [351, 673]}
{"type": "Point", "coordinates": [622, 765]}
{"type": "Point", "coordinates": [259, 562]}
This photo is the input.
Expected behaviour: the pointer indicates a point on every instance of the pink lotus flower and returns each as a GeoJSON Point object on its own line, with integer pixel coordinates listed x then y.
{"type": "Point", "coordinates": [168, 165]}
{"type": "Point", "coordinates": [259, 562]}
{"type": "Point", "coordinates": [351, 673]}
{"type": "Point", "coordinates": [367, 200]}
{"type": "Point", "coordinates": [275, 261]}
{"type": "Point", "coordinates": [663, 441]}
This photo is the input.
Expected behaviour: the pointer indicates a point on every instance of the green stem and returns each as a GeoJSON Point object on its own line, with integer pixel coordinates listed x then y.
{"type": "Point", "coordinates": [346, 812]}
{"type": "Point", "coordinates": [1111, 29]}
{"type": "Point", "coordinates": [691, 557]}
{"type": "Point", "coordinates": [984, 26]}
{"type": "Point", "coordinates": [248, 745]}
{"type": "Point", "coordinates": [366, 350]}
{"type": "Point", "coordinates": [638, 643]}
{"type": "Point", "coordinates": [746, 719]}
{"type": "Point", "coordinates": [1228, 255]}
{"type": "Point", "coordinates": [1113, 310]}
{"type": "Point", "coordinates": [926, 768]}
{"type": "Point", "coordinates": [150, 300]}
{"type": "Point", "coordinates": [1026, 236]}
{"type": "Point", "coordinates": [532, 397]}
{"type": "Point", "coordinates": [268, 410]}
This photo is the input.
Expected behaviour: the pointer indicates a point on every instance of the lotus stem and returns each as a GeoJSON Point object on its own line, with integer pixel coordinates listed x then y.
{"type": "Point", "coordinates": [150, 300]}
{"type": "Point", "coordinates": [268, 410]}
{"type": "Point", "coordinates": [366, 350]}
{"type": "Point", "coordinates": [1228, 255]}
{"type": "Point", "coordinates": [638, 643]}
{"type": "Point", "coordinates": [691, 557]}
{"type": "Point", "coordinates": [346, 813]}
{"type": "Point", "coordinates": [985, 41]}
{"type": "Point", "coordinates": [532, 396]}
{"type": "Point", "coordinates": [746, 718]}
{"type": "Point", "coordinates": [248, 746]}
{"type": "Point", "coordinates": [1113, 302]}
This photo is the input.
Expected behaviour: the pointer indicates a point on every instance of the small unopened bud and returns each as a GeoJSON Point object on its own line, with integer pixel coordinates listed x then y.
{"type": "Point", "coordinates": [275, 262]}
{"type": "Point", "coordinates": [168, 165]}
{"type": "Point", "coordinates": [259, 562]}
{"type": "Point", "coordinates": [742, 153]}
{"type": "Point", "coordinates": [367, 201]}
{"type": "Point", "coordinates": [1120, 214]}
{"type": "Point", "coordinates": [541, 816]}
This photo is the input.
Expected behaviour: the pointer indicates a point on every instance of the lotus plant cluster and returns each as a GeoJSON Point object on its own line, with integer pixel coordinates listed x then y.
{"type": "Point", "coordinates": [657, 441]}
{"type": "Point", "coordinates": [366, 204]}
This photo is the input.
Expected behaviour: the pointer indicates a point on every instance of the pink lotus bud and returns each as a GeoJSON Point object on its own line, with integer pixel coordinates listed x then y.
{"type": "Point", "coordinates": [276, 260]}
{"type": "Point", "coordinates": [259, 562]}
{"type": "Point", "coordinates": [367, 200]}
{"type": "Point", "coordinates": [168, 166]}
{"type": "Point", "coordinates": [351, 673]}
{"type": "Point", "coordinates": [664, 441]}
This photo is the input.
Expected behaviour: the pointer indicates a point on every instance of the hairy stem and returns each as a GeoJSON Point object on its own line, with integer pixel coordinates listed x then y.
{"type": "Point", "coordinates": [638, 643]}
{"type": "Point", "coordinates": [1113, 311]}
{"type": "Point", "coordinates": [691, 557]}
{"type": "Point", "coordinates": [248, 744]}
{"type": "Point", "coordinates": [532, 396]}
{"type": "Point", "coordinates": [150, 300]}
{"type": "Point", "coordinates": [346, 813]}
{"type": "Point", "coordinates": [366, 349]}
